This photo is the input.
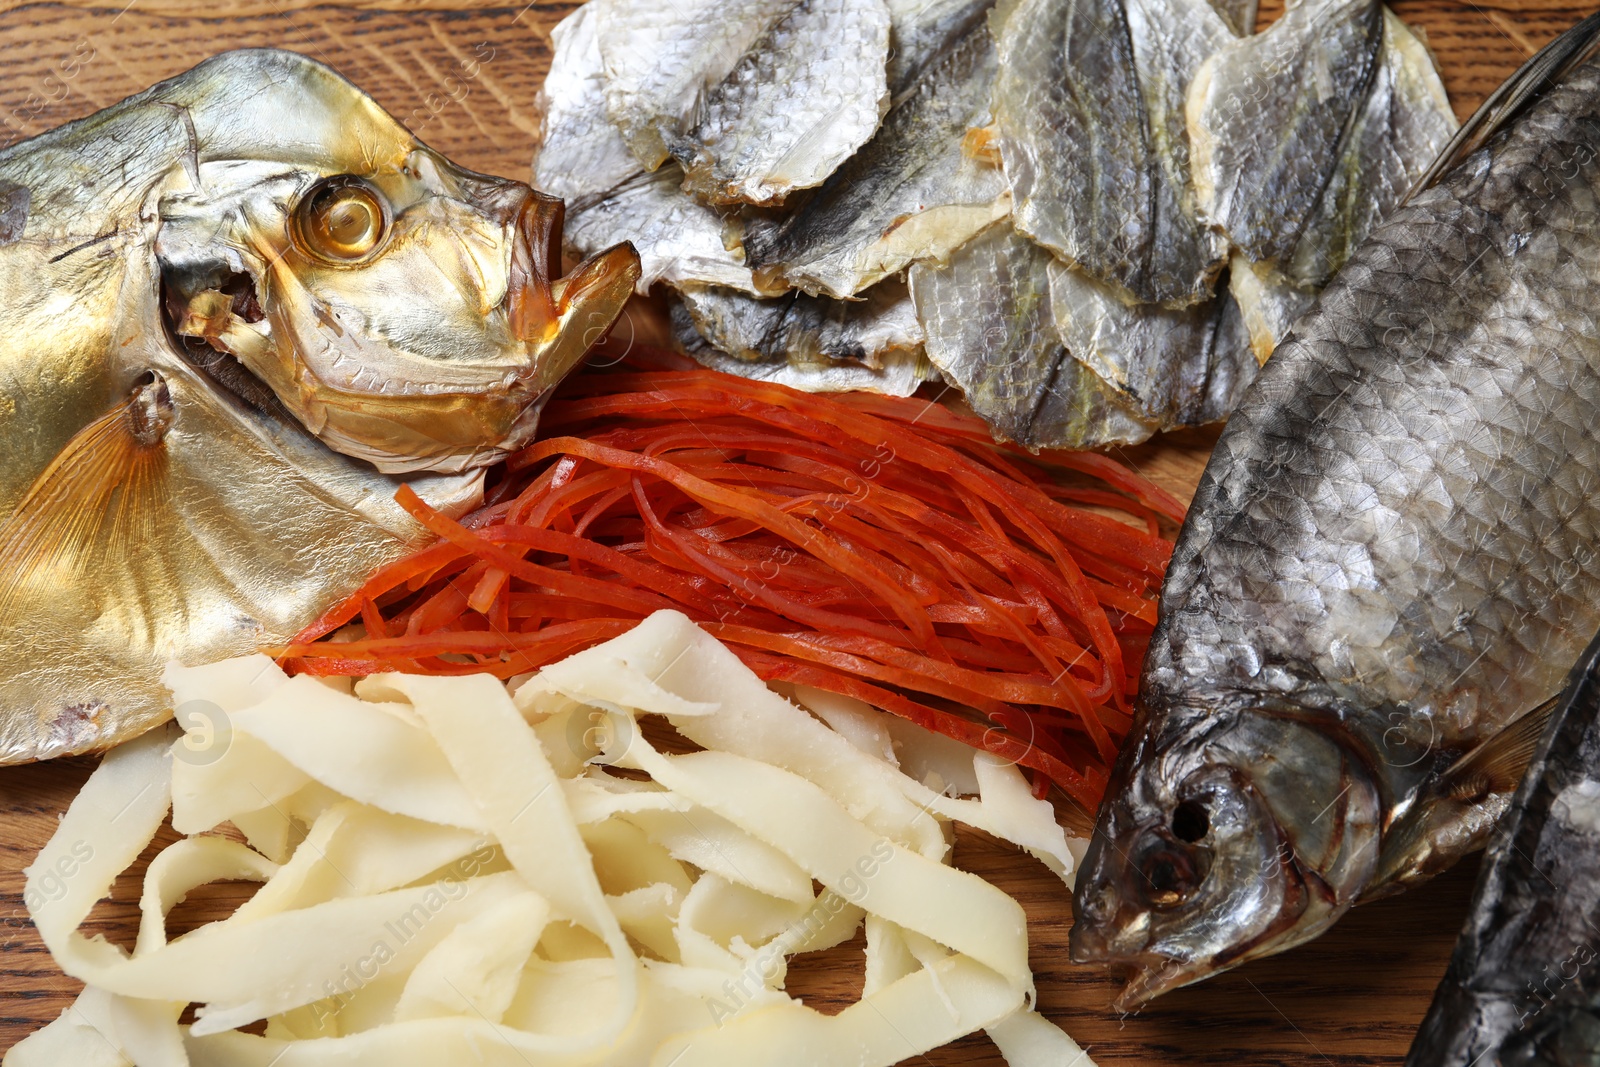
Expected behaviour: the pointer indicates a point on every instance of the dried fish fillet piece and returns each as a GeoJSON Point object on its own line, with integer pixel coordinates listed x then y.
{"type": "Point", "coordinates": [803, 98]}
{"type": "Point", "coordinates": [1405, 125]}
{"type": "Point", "coordinates": [805, 328]}
{"type": "Point", "coordinates": [680, 240]}
{"type": "Point", "coordinates": [1178, 368]}
{"type": "Point", "coordinates": [910, 193]}
{"type": "Point", "coordinates": [580, 155]}
{"type": "Point", "coordinates": [897, 370]}
{"type": "Point", "coordinates": [1307, 134]}
{"type": "Point", "coordinates": [921, 30]}
{"type": "Point", "coordinates": [988, 327]}
{"type": "Point", "coordinates": [1268, 304]}
{"type": "Point", "coordinates": [1090, 112]}
{"type": "Point", "coordinates": [659, 59]}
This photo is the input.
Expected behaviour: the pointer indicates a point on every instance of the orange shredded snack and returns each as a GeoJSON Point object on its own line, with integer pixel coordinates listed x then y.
{"type": "Point", "coordinates": [880, 548]}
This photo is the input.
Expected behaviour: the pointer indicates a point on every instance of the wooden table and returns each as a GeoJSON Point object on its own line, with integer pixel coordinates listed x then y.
{"type": "Point", "coordinates": [1352, 997]}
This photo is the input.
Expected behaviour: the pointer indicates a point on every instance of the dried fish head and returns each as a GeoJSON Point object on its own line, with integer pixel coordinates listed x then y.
{"type": "Point", "coordinates": [406, 311]}
{"type": "Point", "coordinates": [1227, 837]}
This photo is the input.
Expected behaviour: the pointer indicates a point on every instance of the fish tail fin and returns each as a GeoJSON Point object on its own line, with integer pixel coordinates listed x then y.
{"type": "Point", "coordinates": [103, 493]}
{"type": "Point", "coordinates": [1543, 72]}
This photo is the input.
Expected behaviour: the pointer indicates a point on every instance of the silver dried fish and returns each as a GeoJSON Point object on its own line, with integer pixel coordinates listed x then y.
{"type": "Point", "coordinates": [1391, 561]}
{"type": "Point", "coordinates": [580, 156]}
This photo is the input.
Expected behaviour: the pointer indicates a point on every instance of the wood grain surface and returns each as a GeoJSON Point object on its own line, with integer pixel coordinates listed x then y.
{"type": "Point", "coordinates": [1352, 997]}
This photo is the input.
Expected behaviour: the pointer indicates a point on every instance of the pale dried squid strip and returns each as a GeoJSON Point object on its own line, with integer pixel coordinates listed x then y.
{"type": "Point", "coordinates": [554, 890]}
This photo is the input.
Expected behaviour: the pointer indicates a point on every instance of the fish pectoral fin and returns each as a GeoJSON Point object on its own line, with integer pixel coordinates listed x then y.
{"type": "Point", "coordinates": [1498, 763]}
{"type": "Point", "coordinates": [101, 496]}
{"type": "Point", "coordinates": [1547, 69]}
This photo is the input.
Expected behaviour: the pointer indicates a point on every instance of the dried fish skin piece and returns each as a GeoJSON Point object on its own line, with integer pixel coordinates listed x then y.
{"type": "Point", "coordinates": [659, 60]}
{"type": "Point", "coordinates": [910, 193]}
{"type": "Point", "coordinates": [680, 240]}
{"type": "Point", "coordinates": [1090, 112]}
{"type": "Point", "coordinates": [899, 371]}
{"type": "Point", "coordinates": [805, 96]}
{"type": "Point", "coordinates": [921, 30]}
{"type": "Point", "coordinates": [1307, 134]}
{"type": "Point", "coordinates": [1405, 125]}
{"type": "Point", "coordinates": [581, 155]}
{"type": "Point", "coordinates": [1268, 304]}
{"type": "Point", "coordinates": [988, 327]}
{"type": "Point", "coordinates": [1178, 368]}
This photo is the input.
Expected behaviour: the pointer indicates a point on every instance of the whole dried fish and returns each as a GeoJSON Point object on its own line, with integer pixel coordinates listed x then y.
{"type": "Point", "coordinates": [1089, 107]}
{"type": "Point", "coordinates": [989, 329]}
{"type": "Point", "coordinates": [1307, 134]}
{"type": "Point", "coordinates": [1391, 559]}
{"type": "Point", "coordinates": [238, 306]}
{"type": "Point", "coordinates": [1522, 986]}
{"type": "Point", "coordinates": [912, 193]}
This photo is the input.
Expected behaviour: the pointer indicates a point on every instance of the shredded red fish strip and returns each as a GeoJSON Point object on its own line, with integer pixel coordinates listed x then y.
{"type": "Point", "coordinates": [880, 548]}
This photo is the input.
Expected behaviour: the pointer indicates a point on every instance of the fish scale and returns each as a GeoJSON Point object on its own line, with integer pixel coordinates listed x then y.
{"type": "Point", "coordinates": [1395, 548]}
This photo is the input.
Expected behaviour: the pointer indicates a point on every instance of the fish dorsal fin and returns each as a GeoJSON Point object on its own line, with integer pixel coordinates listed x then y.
{"type": "Point", "coordinates": [1498, 763]}
{"type": "Point", "coordinates": [1530, 83]}
{"type": "Point", "coordinates": [98, 501]}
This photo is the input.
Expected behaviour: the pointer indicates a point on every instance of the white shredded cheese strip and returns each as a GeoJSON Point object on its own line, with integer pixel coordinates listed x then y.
{"type": "Point", "coordinates": [453, 874]}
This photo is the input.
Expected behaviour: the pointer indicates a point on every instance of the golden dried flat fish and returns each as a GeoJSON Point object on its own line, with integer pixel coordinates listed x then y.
{"type": "Point", "coordinates": [911, 193]}
{"type": "Point", "coordinates": [989, 329]}
{"type": "Point", "coordinates": [231, 303]}
{"type": "Point", "coordinates": [1307, 134]}
{"type": "Point", "coordinates": [1090, 113]}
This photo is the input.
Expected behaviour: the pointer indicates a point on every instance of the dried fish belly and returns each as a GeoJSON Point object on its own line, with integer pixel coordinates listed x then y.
{"type": "Point", "coordinates": [911, 193]}
{"type": "Point", "coordinates": [1309, 133]}
{"type": "Point", "coordinates": [1090, 113]}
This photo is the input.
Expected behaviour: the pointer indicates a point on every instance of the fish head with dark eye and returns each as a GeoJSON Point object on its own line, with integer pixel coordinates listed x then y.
{"type": "Point", "coordinates": [404, 310]}
{"type": "Point", "coordinates": [1223, 836]}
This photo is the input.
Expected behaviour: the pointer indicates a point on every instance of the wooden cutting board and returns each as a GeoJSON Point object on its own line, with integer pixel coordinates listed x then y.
{"type": "Point", "coordinates": [464, 76]}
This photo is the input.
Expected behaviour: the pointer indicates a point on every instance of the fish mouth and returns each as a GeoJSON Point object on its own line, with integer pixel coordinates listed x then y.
{"type": "Point", "coordinates": [558, 317]}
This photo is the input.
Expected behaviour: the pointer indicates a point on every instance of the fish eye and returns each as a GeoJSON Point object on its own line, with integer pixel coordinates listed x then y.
{"type": "Point", "coordinates": [341, 220]}
{"type": "Point", "coordinates": [1190, 821]}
